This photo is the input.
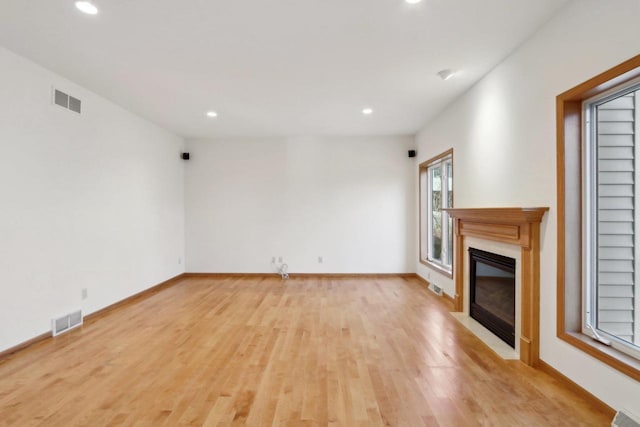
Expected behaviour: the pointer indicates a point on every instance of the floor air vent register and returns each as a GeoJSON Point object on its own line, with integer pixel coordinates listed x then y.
{"type": "Point", "coordinates": [435, 289]}
{"type": "Point", "coordinates": [66, 323]}
{"type": "Point", "coordinates": [623, 419]}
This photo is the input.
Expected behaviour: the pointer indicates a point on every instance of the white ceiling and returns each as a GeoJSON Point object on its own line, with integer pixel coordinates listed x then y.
{"type": "Point", "coordinates": [274, 67]}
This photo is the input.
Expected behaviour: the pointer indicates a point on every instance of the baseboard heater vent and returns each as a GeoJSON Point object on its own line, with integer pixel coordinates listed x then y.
{"type": "Point", "coordinates": [435, 289]}
{"type": "Point", "coordinates": [624, 419]}
{"type": "Point", "coordinates": [66, 322]}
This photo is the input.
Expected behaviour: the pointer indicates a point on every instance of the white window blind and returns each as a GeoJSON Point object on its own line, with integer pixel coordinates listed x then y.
{"type": "Point", "coordinates": [610, 174]}
{"type": "Point", "coordinates": [616, 213]}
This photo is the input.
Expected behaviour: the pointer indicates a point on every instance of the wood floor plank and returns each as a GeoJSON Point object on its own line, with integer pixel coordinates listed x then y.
{"type": "Point", "coordinates": [232, 351]}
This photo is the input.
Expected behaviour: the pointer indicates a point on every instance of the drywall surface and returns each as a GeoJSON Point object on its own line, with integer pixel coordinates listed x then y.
{"type": "Point", "coordinates": [92, 201]}
{"type": "Point", "coordinates": [503, 135]}
{"type": "Point", "coordinates": [347, 200]}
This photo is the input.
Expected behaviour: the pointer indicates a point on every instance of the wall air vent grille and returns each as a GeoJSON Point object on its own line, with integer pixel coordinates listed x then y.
{"type": "Point", "coordinates": [75, 104]}
{"type": "Point", "coordinates": [61, 99]}
{"type": "Point", "coordinates": [67, 101]}
{"type": "Point", "coordinates": [66, 322]}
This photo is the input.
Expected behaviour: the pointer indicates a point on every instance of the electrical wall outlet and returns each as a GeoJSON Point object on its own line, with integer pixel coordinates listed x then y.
{"type": "Point", "coordinates": [273, 260]}
{"type": "Point", "coordinates": [280, 258]}
{"type": "Point", "coordinates": [84, 293]}
{"type": "Point", "coordinates": [320, 259]}
{"type": "Point", "coordinates": [179, 260]}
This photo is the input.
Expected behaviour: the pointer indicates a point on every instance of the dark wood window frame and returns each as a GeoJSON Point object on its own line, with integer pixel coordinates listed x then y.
{"type": "Point", "coordinates": [423, 254]}
{"type": "Point", "coordinates": [569, 121]}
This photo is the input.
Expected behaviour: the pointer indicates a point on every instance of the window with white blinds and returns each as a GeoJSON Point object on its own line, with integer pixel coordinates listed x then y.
{"type": "Point", "coordinates": [610, 176]}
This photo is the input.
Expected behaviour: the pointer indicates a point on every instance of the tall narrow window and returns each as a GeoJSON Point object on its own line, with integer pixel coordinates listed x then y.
{"type": "Point", "coordinates": [436, 194]}
{"type": "Point", "coordinates": [610, 218]}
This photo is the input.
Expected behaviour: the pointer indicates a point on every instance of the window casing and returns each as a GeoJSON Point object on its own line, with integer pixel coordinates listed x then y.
{"type": "Point", "coordinates": [587, 215]}
{"type": "Point", "coordinates": [436, 194]}
{"type": "Point", "coordinates": [610, 176]}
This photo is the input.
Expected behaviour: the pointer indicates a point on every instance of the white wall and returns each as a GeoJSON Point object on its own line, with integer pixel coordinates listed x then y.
{"type": "Point", "coordinates": [92, 201]}
{"type": "Point", "coordinates": [503, 134]}
{"type": "Point", "coordinates": [349, 200]}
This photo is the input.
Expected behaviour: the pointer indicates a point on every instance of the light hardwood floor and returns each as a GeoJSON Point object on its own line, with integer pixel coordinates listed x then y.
{"type": "Point", "coordinates": [252, 351]}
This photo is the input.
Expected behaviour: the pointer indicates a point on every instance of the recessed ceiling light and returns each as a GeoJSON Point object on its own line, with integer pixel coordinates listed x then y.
{"type": "Point", "coordinates": [367, 111]}
{"type": "Point", "coordinates": [446, 74]}
{"type": "Point", "coordinates": [413, 1]}
{"type": "Point", "coordinates": [87, 7]}
{"type": "Point", "coordinates": [212, 114]}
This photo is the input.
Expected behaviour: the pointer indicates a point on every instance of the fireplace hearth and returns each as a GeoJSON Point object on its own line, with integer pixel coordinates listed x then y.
{"type": "Point", "coordinates": [492, 292]}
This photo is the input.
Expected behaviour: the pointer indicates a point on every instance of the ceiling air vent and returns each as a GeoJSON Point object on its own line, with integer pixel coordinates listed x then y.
{"type": "Point", "coordinates": [67, 101]}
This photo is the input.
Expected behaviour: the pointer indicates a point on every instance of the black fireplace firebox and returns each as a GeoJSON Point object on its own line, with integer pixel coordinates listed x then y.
{"type": "Point", "coordinates": [492, 293]}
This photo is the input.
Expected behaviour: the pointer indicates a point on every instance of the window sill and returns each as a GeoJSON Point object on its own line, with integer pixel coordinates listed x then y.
{"type": "Point", "coordinates": [438, 268]}
{"type": "Point", "coordinates": [624, 363]}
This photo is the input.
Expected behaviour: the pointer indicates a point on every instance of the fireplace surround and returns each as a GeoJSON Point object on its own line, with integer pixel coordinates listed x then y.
{"type": "Point", "coordinates": [518, 227]}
